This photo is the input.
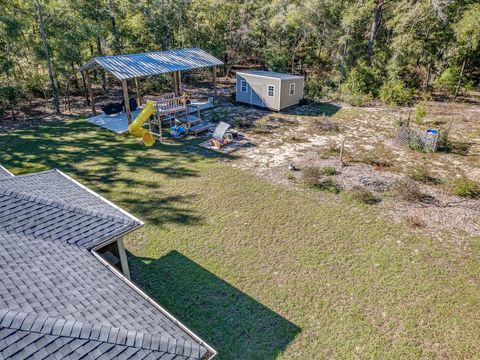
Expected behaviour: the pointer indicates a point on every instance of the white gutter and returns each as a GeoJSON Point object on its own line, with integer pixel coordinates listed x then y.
{"type": "Point", "coordinates": [4, 169]}
{"type": "Point", "coordinates": [155, 304]}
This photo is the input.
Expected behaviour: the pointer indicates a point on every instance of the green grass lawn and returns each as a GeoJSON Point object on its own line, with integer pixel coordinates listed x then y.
{"type": "Point", "coordinates": [262, 272]}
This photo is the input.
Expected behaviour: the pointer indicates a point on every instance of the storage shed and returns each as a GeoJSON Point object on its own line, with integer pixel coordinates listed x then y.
{"type": "Point", "coordinates": [267, 89]}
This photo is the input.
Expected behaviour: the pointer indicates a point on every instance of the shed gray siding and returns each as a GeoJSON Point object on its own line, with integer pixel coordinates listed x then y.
{"type": "Point", "coordinates": [287, 100]}
{"type": "Point", "coordinates": [256, 93]}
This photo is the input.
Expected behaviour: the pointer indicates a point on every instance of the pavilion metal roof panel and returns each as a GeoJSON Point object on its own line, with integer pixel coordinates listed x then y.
{"type": "Point", "coordinates": [153, 63]}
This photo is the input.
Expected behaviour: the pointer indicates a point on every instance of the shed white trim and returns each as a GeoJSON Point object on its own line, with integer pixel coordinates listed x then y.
{"type": "Point", "coordinates": [270, 74]}
{"type": "Point", "coordinates": [243, 85]}
{"type": "Point", "coordinates": [272, 88]}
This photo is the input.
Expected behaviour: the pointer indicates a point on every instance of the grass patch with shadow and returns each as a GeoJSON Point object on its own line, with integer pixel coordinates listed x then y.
{"type": "Point", "coordinates": [238, 326]}
{"type": "Point", "coordinates": [363, 195]}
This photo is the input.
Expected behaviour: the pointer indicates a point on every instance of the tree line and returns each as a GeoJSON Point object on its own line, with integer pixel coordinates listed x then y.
{"type": "Point", "coordinates": [354, 49]}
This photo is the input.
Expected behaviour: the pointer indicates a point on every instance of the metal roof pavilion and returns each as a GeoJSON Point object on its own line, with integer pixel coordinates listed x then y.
{"type": "Point", "coordinates": [131, 66]}
{"type": "Point", "coordinates": [136, 66]}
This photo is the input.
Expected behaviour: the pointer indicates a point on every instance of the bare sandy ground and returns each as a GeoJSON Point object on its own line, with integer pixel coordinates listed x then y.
{"type": "Point", "coordinates": [311, 135]}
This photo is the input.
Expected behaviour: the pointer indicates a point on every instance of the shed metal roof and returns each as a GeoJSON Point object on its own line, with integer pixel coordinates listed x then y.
{"type": "Point", "coordinates": [153, 63]}
{"type": "Point", "coordinates": [270, 74]}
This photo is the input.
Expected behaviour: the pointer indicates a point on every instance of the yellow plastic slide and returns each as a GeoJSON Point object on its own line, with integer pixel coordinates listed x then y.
{"type": "Point", "coordinates": [136, 127]}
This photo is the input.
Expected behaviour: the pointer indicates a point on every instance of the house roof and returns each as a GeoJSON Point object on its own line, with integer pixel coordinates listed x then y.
{"type": "Point", "coordinates": [52, 206]}
{"type": "Point", "coordinates": [270, 74]}
{"type": "Point", "coordinates": [56, 298]}
{"type": "Point", "coordinates": [153, 63]}
{"type": "Point", "coordinates": [4, 173]}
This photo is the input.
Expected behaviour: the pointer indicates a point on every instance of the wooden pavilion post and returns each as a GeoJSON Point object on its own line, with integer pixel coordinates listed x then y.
{"type": "Point", "coordinates": [90, 91]}
{"type": "Point", "coordinates": [175, 83]}
{"type": "Point", "coordinates": [179, 82]}
{"type": "Point", "coordinates": [139, 92]}
{"type": "Point", "coordinates": [214, 71]}
{"type": "Point", "coordinates": [127, 101]}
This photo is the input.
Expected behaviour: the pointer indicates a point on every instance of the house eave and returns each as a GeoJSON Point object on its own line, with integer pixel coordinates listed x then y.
{"type": "Point", "coordinates": [177, 322]}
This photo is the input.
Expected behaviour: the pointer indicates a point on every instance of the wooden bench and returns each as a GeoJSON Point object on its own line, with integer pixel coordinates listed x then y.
{"type": "Point", "coordinates": [197, 129]}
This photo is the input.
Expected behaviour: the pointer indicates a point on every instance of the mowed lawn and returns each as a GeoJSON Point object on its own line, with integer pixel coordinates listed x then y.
{"type": "Point", "coordinates": [262, 272]}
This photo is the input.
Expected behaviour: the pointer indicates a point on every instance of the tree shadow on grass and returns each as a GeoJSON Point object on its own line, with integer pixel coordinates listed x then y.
{"type": "Point", "coordinates": [162, 209]}
{"type": "Point", "coordinates": [63, 145]}
{"type": "Point", "coordinates": [235, 324]}
{"type": "Point", "coordinates": [315, 108]}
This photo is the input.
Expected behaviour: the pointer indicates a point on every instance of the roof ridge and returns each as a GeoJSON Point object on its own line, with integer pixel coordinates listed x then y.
{"type": "Point", "coordinates": [43, 324]}
{"type": "Point", "coordinates": [145, 53]}
{"type": "Point", "coordinates": [29, 174]}
{"type": "Point", "coordinates": [98, 196]}
{"type": "Point", "coordinates": [64, 206]}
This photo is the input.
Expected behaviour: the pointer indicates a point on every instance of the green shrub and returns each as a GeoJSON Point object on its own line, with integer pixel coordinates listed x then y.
{"type": "Point", "coordinates": [420, 113]}
{"type": "Point", "coordinates": [9, 95]}
{"type": "Point", "coordinates": [448, 80]}
{"type": "Point", "coordinates": [468, 85]}
{"type": "Point", "coordinates": [277, 59]}
{"type": "Point", "coordinates": [356, 99]}
{"type": "Point", "coordinates": [311, 176]}
{"type": "Point", "coordinates": [9, 98]}
{"type": "Point", "coordinates": [421, 174]}
{"type": "Point", "coordinates": [328, 170]}
{"type": "Point", "coordinates": [408, 190]}
{"type": "Point", "coordinates": [328, 184]}
{"type": "Point", "coordinates": [360, 86]}
{"type": "Point", "coordinates": [363, 195]}
{"type": "Point", "coordinates": [316, 87]}
{"type": "Point", "coordinates": [466, 188]}
{"type": "Point", "coordinates": [394, 92]}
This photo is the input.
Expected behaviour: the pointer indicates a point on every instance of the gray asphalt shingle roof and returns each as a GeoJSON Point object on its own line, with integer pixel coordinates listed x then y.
{"type": "Point", "coordinates": [4, 173]}
{"type": "Point", "coordinates": [153, 63]}
{"type": "Point", "coordinates": [56, 186]}
{"type": "Point", "coordinates": [56, 299]}
{"type": "Point", "coordinates": [28, 336]}
{"type": "Point", "coordinates": [52, 206]}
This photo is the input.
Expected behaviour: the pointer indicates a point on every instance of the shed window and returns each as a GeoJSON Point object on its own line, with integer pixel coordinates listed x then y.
{"type": "Point", "coordinates": [243, 86]}
{"type": "Point", "coordinates": [292, 89]}
{"type": "Point", "coordinates": [271, 90]}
